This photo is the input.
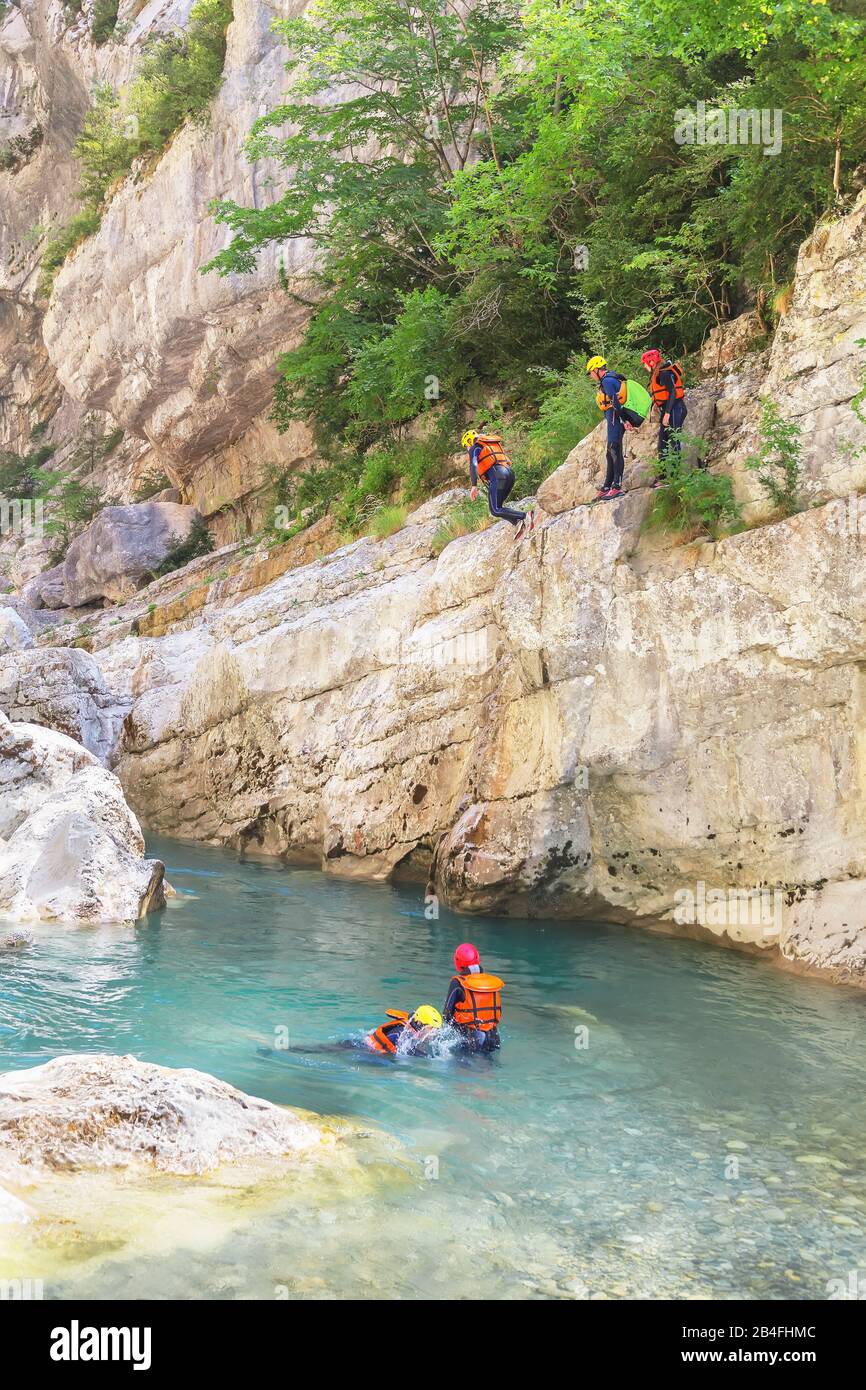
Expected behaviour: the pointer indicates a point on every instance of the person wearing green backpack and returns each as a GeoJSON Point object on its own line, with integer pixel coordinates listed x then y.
{"type": "Point", "coordinates": [626, 405]}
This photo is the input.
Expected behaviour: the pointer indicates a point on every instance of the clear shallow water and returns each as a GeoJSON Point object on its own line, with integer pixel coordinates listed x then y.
{"type": "Point", "coordinates": [707, 1141]}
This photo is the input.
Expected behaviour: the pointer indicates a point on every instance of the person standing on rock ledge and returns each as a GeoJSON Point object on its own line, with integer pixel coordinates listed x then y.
{"type": "Point", "coordinates": [489, 462]}
{"type": "Point", "coordinates": [616, 397]}
{"type": "Point", "coordinates": [668, 394]}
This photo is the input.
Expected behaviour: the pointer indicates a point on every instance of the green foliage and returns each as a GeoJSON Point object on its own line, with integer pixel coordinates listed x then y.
{"type": "Point", "coordinates": [22, 476]}
{"type": "Point", "coordinates": [410, 80]}
{"type": "Point", "coordinates": [72, 505]}
{"type": "Point", "coordinates": [859, 401]}
{"type": "Point", "coordinates": [104, 20]}
{"type": "Point", "coordinates": [17, 151]}
{"type": "Point", "coordinates": [76, 230]}
{"type": "Point", "coordinates": [385, 521]}
{"type": "Point", "coordinates": [150, 485]}
{"type": "Point", "coordinates": [693, 501]}
{"type": "Point", "coordinates": [778, 464]}
{"type": "Point", "coordinates": [462, 519]}
{"type": "Point", "coordinates": [354, 485]}
{"type": "Point", "coordinates": [199, 542]}
{"type": "Point", "coordinates": [494, 192]}
{"type": "Point", "coordinates": [69, 503]}
{"type": "Point", "coordinates": [178, 75]}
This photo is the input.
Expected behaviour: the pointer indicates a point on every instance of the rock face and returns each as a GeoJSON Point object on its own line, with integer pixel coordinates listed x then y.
{"type": "Point", "coordinates": [63, 689]}
{"type": "Point", "coordinates": [70, 848]}
{"type": "Point", "coordinates": [46, 590]}
{"type": "Point", "coordinates": [14, 632]}
{"type": "Point", "coordinates": [596, 722]}
{"type": "Point", "coordinates": [122, 547]}
{"type": "Point", "coordinates": [94, 1111]}
{"type": "Point", "coordinates": [185, 359]}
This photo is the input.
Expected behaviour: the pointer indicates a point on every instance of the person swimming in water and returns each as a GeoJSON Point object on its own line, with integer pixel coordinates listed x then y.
{"type": "Point", "coordinates": [474, 1003]}
{"type": "Point", "coordinates": [408, 1032]}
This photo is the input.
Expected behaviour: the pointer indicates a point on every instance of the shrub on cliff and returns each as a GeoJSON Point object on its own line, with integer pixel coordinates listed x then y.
{"type": "Point", "coordinates": [463, 519]}
{"type": "Point", "coordinates": [693, 502]}
{"type": "Point", "coordinates": [76, 230]}
{"type": "Point", "coordinates": [104, 20]}
{"type": "Point", "coordinates": [179, 74]}
{"type": "Point", "coordinates": [778, 462]}
{"type": "Point", "coordinates": [198, 542]}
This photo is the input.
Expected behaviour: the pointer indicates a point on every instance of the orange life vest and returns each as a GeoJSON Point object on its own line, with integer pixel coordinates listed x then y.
{"type": "Point", "coordinates": [603, 400]}
{"type": "Point", "coordinates": [490, 451]}
{"type": "Point", "coordinates": [378, 1040]}
{"type": "Point", "coordinates": [658, 392]}
{"type": "Point", "coordinates": [481, 1006]}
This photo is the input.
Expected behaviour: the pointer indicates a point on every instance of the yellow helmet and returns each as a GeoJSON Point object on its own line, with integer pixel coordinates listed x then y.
{"type": "Point", "coordinates": [595, 363]}
{"type": "Point", "coordinates": [427, 1017]}
{"type": "Point", "coordinates": [469, 439]}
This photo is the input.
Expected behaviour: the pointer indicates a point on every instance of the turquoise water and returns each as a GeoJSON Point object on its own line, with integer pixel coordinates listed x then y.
{"type": "Point", "coordinates": [706, 1141]}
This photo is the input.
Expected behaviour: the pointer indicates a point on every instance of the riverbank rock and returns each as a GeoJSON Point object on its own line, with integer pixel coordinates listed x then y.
{"type": "Point", "coordinates": [98, 1111]}
{"type": "Point", "coordinates": [122, 547]}
{"type": "Point", "coordinates": [70, 848]}
{"type": "Point", "coordinates": [14, 633]}
{"type": "Point", "coordinates": [46, 590]}
{"type": "Point", "coordinates": [62, 688]}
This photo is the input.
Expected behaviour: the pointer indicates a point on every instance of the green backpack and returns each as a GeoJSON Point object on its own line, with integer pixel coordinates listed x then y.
{"type": "Point", "coordinates": [637, 398]}
{"type": "Point", "coordinates": [638, 401]}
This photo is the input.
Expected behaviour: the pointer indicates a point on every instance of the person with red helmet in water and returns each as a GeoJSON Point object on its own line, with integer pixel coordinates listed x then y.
{"type": "Point", "coordinates": [474, 1003]}
{"type": "Point", "coordinates": [669, 397]}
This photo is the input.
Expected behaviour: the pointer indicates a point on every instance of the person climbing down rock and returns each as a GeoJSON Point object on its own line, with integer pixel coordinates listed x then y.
{"type": "Point", "coordinates": [615, 397]}
{"type": "Point", "coordinates": [474, 1003]}
{"type": "Point", "coordinates": [668, 395]}
{"type": "Point", "coordinates": [408, 1032]}
{"type": "Point", "coordinates": [489, 463]}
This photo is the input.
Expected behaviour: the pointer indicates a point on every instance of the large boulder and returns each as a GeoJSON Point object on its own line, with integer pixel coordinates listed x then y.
{"type": "Point", "coordinates": [96, 1111]}
{"type": "Point", "coordinates": [46, 590]}
{"type": "Point", "coordinates": [61, 688]}
{"type": "Point", "coordinates": [122, 548]}
{"type": "Point", "coordinates": [14, 634]}
{"type": "Point", "coordinates": [70, 848]}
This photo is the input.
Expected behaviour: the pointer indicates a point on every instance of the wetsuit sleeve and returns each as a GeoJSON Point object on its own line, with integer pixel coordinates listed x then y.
{"type": "Point", "coordinates": [473, 465]}
{"type": "Point", "coordinates": [610, 386]}
{"type": "Point", "coordinates": [456, 995]}
{"type": "Point", "coordinates": [668, 380]}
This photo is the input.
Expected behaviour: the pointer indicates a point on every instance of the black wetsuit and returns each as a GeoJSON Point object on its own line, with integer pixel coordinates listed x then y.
{"type": "Point", "coordinates": [616, 415]}
{"type": "Point", "coordinates": [676, 409]}
{"type": "Point", "coordinates": [475, 1039]}
{"type": "Point", "coordinates": [499, 479]}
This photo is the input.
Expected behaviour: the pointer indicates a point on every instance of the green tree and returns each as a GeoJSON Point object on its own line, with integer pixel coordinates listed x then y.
{"type": "Point", "coordinates": [388, 99]}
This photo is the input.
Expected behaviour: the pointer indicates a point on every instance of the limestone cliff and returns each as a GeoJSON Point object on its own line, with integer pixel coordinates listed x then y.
{"type": "Point", "coordinates": [184, 363]}
{"type": "Point", "coordinates": [593, 723]}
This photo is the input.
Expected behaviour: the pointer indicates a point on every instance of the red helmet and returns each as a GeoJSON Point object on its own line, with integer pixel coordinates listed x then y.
{"type": "Point", "coordinates": [651, 357]}
{"type": "Point", "coordinates": [466, 955]}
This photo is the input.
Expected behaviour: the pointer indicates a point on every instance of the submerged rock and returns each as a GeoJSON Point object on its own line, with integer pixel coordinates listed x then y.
{"type": "Point", "coordinates": [71, 850]}
{"type": "Point", "coordinates": [98, 1111]}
